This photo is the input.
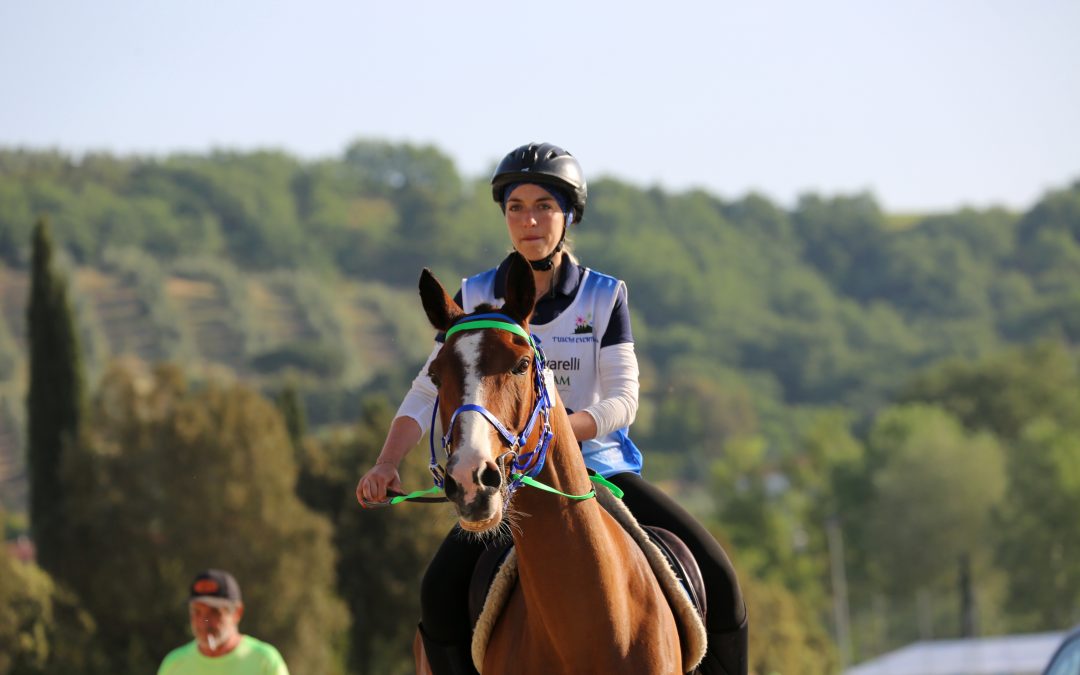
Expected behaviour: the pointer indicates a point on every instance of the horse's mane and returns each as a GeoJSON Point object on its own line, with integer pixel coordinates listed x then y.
{"type": "Point", "coordinates": [484, 307]}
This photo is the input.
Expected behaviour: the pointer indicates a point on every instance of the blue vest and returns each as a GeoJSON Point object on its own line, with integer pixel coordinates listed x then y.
{"type": "Point", "coordinates": [571, 343]}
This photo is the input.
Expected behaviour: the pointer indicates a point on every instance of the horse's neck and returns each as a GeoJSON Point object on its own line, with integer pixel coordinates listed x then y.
{"type": "Point", "coordinates": [564, 470]}
{"type": "Point", "coordinates": [573, 528]}
{"type": "Point", "coordinates": [571, 553]}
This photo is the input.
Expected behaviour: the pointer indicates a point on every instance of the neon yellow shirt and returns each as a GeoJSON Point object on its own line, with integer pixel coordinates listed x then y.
{"type": "Point", "coordinates": [251, 657]}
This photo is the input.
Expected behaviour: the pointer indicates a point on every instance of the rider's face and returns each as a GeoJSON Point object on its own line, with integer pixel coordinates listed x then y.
{"type": "Point", "coordinates": [534, 220]}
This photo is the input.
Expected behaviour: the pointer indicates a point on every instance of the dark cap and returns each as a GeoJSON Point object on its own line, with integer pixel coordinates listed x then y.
{"type": "Point", "coordinates": [215, 587]}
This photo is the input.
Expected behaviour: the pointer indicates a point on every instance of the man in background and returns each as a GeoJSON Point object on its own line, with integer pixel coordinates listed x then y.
{"type": "Point", "coordinates": [215, 608]}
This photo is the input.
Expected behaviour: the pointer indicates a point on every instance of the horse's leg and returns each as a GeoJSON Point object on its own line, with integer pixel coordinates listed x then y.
{"type": "Point", "coordinates": [419, 656]}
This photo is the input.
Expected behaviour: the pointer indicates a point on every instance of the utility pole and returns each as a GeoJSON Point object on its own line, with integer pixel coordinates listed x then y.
{"type": "Point", "coordinates": [968, 626]}
{"type": "Point", "coordinates": [835, 539]}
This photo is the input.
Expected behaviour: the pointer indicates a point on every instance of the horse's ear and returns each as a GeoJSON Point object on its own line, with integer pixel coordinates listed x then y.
{"type": "Point", "coordinates": [440, 308]}
{"type": "Point", "coordinates": [520, 289]}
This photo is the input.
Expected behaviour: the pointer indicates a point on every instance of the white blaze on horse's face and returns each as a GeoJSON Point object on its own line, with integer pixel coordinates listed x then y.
{"type": "Point", "coordinates": [472, 466]}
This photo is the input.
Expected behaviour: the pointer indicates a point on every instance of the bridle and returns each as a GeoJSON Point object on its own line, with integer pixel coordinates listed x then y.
{"type": "Point", "coordinates": [525, 465]}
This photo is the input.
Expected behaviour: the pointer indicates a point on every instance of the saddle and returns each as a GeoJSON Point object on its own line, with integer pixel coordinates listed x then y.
{"type": "Point", "coordinates": [495, 576]}
{"type": "Point", "coordinates": [676, 553]}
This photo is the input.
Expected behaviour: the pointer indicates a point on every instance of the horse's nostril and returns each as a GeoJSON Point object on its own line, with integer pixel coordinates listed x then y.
{"type": "Point", "coordinates": [450, 486]}
{"type": "Point", "coordinates": [491, 476]}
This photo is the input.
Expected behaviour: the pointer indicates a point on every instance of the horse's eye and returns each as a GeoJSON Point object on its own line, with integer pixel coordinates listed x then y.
{"type": "Point", "coordinates": [522, 367]}
{"type": "Point", "coordinates": [434, 379]}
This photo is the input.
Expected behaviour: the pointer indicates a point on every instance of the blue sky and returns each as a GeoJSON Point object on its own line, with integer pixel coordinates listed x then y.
{"type": "Point", "coordinates": [928, 105]}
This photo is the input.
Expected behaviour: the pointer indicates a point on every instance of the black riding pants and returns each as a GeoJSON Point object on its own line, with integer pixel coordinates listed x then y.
{"type": "Point", "coordinates": [444, 592]}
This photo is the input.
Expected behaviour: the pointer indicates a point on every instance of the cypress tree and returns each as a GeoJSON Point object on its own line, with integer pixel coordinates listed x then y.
{"type": "Point", "coordinates": [54, 400]}
{"type": "Point", "coordinates": [292, 410]}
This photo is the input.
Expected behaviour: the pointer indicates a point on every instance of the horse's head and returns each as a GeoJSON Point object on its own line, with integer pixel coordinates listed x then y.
{"type": "Point", "coordinates": [484, 377]}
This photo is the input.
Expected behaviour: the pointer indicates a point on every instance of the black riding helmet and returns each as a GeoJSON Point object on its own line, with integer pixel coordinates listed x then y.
{"type": "Point", "coordinates": [549, 166]}
{"type": "Point", "coordinates": [544, 164]}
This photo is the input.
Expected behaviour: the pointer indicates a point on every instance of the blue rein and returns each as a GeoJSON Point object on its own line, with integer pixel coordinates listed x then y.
{"type": "Point", "coordinates": [534, 459]}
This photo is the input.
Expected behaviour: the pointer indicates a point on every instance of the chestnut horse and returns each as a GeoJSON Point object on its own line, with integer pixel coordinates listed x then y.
{"type": "Point", "coordinates": [586, 600]}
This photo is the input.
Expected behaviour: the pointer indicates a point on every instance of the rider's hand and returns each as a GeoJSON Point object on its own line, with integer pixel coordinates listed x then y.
{"type": "Point", "coordinates": [380, 479]}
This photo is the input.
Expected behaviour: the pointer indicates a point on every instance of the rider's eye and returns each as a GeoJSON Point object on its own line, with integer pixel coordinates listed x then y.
{"type": "Point", "coordinates": [522, 367]}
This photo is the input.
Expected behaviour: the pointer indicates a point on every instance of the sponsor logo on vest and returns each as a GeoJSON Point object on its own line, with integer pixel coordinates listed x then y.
{"type": "Point", "coordinates": [573, 338]}
{"type": "Point", "coordinates": [583, 324]}
{"type": "Point", "coordinates": [561, 369]}
{"type": "Point", "coordinates": [573, 363]}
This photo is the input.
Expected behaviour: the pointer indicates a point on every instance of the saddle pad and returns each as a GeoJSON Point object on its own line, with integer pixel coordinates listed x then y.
{"type": "Point", "coordinates": [497, 595]}
{"type": "Point", "coordinates": [684, 565]}
{"type": "Point", "coordinates": [692, 633]}
{"type": "Point", "coordinates": [483, 576]}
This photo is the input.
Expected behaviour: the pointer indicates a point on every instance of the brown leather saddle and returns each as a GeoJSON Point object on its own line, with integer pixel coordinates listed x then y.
{"type": "Point", "coordinates": [677, 554]}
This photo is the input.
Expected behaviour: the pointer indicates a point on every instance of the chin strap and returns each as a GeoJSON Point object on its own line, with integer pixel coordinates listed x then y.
{"type": "Point", "coordinates": [544, 264]}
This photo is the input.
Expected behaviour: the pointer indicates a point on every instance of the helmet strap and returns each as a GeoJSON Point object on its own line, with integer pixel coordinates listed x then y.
{"type": "Point", "coordinates": [544, 264]}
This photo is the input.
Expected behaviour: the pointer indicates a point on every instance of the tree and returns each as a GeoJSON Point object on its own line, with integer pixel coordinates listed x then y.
{"type": "Point", "coordinates": [782, 638]}
{"type": "Point", "coordinates": [1027, 397]}
{"type": "Point", "coordinates": [842, 237]}
{"type": "Point", "coordinates": [292, 411]}
{"type": "Point", "coordinates": [383, 552]}
{"type": "Point", "coordinates": [55, 398]}
{"type": "Point", "coordinates": [1039, 544]}
{"type": "Point", "coordinates": [42, 628]}
{"type": "Point", "coordinates": [1004, 392]}
{"type": "Point", "coordinates": [425, 190]}
{"type": "Point", "coordinates": [936, 490]}
{"type": "Point", "coordinates": [171, 479]}
{"type": "Point", "coordinates": [1048, 238]}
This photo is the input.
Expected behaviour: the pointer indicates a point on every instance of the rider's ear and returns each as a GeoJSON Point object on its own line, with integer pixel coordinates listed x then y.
{"type": "Point", "coordinates": [440, 308]}
{"type": "Point", "coordinates": [520, 289]}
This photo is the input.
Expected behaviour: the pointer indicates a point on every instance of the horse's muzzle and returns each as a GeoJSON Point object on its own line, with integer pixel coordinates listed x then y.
{"type": "Point", "coordinates": [478, 498]}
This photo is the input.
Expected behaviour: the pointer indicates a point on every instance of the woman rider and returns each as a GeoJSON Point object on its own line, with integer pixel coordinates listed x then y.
{"type": "Point", "coordinates": [542, 191]}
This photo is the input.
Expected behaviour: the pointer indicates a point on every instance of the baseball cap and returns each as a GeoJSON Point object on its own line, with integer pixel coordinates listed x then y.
{"type": "Point", "coordinates": [213, 587]}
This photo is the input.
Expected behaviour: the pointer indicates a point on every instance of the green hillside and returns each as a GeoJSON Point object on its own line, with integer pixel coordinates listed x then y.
{"type": "Point", "coordinates": [223, 332]}
{"type": "Point", "coordinates": [275, 270]}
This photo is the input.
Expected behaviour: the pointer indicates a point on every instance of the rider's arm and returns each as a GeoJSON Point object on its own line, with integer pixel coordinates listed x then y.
{"type": "Point", "coordinates": [583, 424]}
{"type": "Point", "coordinates": [412, 419]}
{"type": "Point", "coordinates": [618, 378]}
{"type": "Point", "coordinates": [403, 435]}
{"type": "Point", "coordinates": [420, 400]}
{"type": "Point", "coordinates": [619, 387]}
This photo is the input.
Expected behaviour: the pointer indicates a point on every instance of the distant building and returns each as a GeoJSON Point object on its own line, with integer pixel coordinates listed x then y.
{"type": "Point", "coordinates": [1005, 655]}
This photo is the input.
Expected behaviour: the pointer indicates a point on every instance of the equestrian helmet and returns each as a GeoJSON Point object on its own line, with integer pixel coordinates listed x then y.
{"type": "Point", "coordinates": [546, 165]}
